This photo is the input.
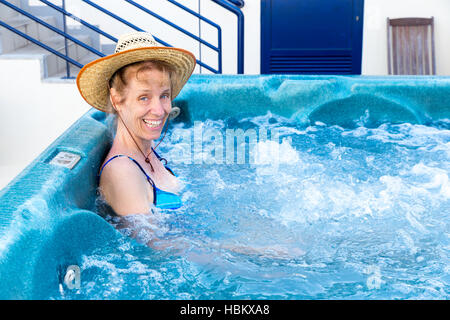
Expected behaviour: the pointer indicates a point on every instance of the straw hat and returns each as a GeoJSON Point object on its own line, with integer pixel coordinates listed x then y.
{"type": "Point", "coordinates": [93, 78]}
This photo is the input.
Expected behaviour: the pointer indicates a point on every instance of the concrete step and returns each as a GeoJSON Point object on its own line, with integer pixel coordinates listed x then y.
{"type": "Point", "coordinates": [74, 69]}
{"type": "Point", "coordinates": [11, 41]}
{"type": "Point", "coordinates": [8, 13]}
{"type": "Point", "coordinates": [54, 64]}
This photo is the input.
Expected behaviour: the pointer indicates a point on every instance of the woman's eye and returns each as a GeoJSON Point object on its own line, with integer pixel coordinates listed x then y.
{"type": "Point", "coordinates": [143, 99]}
{"type": "Point", "coordinates": [165, 96]}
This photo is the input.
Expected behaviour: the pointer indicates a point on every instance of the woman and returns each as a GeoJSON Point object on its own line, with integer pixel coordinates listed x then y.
{"type": "Point", "coordinates": [137, 83]}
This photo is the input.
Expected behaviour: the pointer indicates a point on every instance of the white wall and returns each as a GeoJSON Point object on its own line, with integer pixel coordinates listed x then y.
{"type": "Point", "coordinates": [33, 113]}
{"type": "Point", "coordinates": [374, 59]}
{"type": "Point", "coordinates": [252, 14]}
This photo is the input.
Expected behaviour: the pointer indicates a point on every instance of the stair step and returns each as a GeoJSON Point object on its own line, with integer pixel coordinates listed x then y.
{"type": "Point", "coordinates": [55, 64]}
{"type": "Point", "coordinates": [55, 42]}
{"type": "Point", "coordinates": [6, 12]}
{"type": "Point", "coordinates": [11, 41]}
{"type": "Point", "coordinates": [74, 69]}
{"type": "Point", "coordinates": [13, 45]}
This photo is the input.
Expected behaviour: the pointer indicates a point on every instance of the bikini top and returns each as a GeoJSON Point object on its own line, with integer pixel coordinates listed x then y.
{"type": "Point", "coordinates": [161, 199]}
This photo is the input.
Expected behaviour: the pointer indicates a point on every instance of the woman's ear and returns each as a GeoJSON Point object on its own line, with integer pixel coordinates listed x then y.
{"type": "Point", "coordinates": [174, 112]}
{"type": "Point", "coordinates": [114, 97]}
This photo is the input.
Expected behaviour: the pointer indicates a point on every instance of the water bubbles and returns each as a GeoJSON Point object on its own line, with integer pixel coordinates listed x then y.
{"type": "Point", "coordinates": [439, 180]}
{"type": "Point", "coordinates": [270, 155]}
{"type": "Point", "coordinates": [322, 212]}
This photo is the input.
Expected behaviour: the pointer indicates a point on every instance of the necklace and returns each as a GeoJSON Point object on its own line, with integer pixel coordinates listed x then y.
{"type": "Point", "coordinates": [147, 159]}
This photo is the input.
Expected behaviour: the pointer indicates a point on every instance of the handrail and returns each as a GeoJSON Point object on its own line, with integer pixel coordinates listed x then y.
{"type": "Point", "coordinates": [212, 23]}
{"type": "Point", "coordinates": [240, 31]}
{"type": "Point", "coordinates": [66, 48]}
{"type": "Point", "coordinates": [231, 5]}
{"type": "Point", "coordinates": [238, 3]}
{"type": "Point", "coordinates": [219, 30]}
{"type": "Point", "coordinates": [37, 42]}
{"type": "Point", "coordinates": [116, 17]}
{"type": "Point", "coordinates": [68, 14]}
{"type": "Point", "coordinates": [193, 36]}
{"type": "Point", "coordinates": [74, 17]}
{"type": "Point", "coordinates": [45, 24]}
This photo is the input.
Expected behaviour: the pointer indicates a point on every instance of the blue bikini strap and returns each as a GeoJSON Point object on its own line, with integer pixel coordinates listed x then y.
{"type": "Point", "coordinates": [140, 167]}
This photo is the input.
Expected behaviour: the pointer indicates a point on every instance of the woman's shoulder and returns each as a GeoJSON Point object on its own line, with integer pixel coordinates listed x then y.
{"type": "Point", "coordinates": [120, 167]}
{"type": "Point", "coordinates": [123, 184]}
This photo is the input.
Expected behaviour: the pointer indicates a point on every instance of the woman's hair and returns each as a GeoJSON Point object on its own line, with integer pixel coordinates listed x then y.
{"type": "Point", "coordinates": [119, 81]}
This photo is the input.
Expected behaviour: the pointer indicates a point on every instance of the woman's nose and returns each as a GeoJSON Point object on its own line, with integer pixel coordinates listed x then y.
{"type": "Point", "coordinates": [157, 108]}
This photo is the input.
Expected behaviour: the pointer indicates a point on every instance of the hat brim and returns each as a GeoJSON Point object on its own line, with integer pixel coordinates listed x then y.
{"type": "Point", "coordinates": [93, 78]}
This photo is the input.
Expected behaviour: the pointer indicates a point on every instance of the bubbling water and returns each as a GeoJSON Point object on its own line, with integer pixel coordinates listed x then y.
{"type": "Point", "coordinates": [323, 212]}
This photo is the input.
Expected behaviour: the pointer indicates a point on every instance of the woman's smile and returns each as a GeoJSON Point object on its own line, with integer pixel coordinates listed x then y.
{"type": "Point", "coordinates": [153, 124]}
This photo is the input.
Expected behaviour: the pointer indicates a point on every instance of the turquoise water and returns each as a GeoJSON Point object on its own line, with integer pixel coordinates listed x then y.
{"type": "Point", "coordinates": [324, 212]}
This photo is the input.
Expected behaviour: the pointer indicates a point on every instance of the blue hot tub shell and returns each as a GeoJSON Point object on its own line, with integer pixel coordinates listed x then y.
{"type": "Point", "coordinates": [46, 213]}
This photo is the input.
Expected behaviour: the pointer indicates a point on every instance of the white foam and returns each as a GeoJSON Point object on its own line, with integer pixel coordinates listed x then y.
{"type": "Point", "coordinates": [335, 192]}
{"type": "Point", "coordinates": [272, 152]}
{"type": "Point", "coordinates": [409, 135]}
{"type": "Point", "coordinates": [438, 178]}
{"type": "Point", "coordinates": [216, 182]}
{"type": "Point", "coordinates": [265, 120]}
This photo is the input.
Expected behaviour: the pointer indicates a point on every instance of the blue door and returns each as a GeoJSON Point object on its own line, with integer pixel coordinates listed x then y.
{"type": "Point", "coordinates": [311, 36]}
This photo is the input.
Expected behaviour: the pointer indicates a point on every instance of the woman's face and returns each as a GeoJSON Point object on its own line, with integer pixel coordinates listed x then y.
{"type": "Point", "coordinates": [146, 101]}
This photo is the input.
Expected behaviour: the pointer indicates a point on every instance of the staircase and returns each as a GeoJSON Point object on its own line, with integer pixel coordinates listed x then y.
{"type": "Point", "coordinates": [39, 100]}
{"type": "Point", "coordinates": [45, 29]}
{"type": "Point", "coordinates": [15, 46]}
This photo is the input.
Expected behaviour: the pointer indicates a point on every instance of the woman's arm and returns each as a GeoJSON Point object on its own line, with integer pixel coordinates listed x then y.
{"type": "Point", "coordinates": [130, 195]}
{"type": "Point", "coordinates": [151, 230]}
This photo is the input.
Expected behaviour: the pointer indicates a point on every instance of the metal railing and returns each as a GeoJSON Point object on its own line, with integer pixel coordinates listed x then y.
{"type": "Point", "coordinates": [20, 33]}
{"type": "Point", "coordinates": [213, 24]}
{"type": "Point", "coordinates": [234, 8]}
{"type": "Point", "coordinates": [41, 44]}
{"type": "Point", "coordinates": [237, 3]}
{"type": "Point", "coordinates": [240, 36]}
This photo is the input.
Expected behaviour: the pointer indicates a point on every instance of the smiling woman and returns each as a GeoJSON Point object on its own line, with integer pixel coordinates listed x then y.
{"type": "Point", "coordinates": [137, 84]}
{"type": "Point", "coordinates": [142, 103]}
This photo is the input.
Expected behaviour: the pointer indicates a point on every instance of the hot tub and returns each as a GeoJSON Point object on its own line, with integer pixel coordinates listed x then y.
{"type": "Point", "coordinates": [359, 194]}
